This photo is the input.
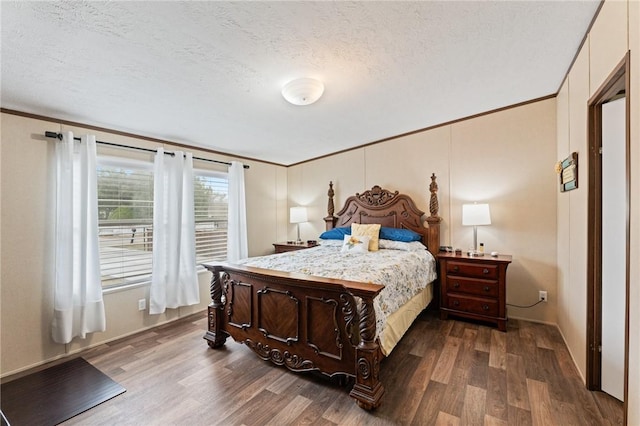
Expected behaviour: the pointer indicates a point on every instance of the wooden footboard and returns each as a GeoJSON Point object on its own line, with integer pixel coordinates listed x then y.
{"type": "Point", "coordinates": [304, 323]}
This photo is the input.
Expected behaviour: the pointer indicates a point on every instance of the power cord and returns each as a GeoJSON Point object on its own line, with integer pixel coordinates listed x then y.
{"type": "Point", "coordinates": [529, 306]}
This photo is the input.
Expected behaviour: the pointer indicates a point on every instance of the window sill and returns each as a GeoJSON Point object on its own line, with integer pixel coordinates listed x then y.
{"type": "Point", "coordinates": [147, 283]}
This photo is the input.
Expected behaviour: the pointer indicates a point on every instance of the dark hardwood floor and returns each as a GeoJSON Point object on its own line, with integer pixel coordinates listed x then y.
{"type": "Point", "coordinates": [442, 372]}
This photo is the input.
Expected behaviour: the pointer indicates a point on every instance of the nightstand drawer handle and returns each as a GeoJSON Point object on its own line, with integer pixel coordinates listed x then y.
{"type": "Point", "coordinates": [456, 269]}
{"type": "Point", "coordinates": [456, 285]}
{"type": "Point", "coordinates": [485, 271]}
{"type": "Point", "coordinates": [485, 307]}
{"type": "Point", "coordinates": [486, 288]}
{"type": "Point", "coordinates": [456, 303]}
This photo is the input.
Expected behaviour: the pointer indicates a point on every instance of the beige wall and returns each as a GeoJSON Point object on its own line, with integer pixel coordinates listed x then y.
{"type": "Point", "coordinates": [572, 217]}
{"type": "Point", "coordinates": [615, 31]}
{"type": "Point", "coordinates": [505, 158]}
{"type": "Point", "coordinates": [26, 246]}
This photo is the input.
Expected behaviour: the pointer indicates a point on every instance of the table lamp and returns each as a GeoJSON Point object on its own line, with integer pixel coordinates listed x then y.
{"type": "Point", "coordinates": [298, 215]}
{"type": "Point", "coordinates": [474, 215]}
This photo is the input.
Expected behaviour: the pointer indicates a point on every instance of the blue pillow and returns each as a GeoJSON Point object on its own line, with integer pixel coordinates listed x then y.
{"type": "Point", "coordinates": [397, 234]}
{"type": "Point", "coordinates": [336, 233]}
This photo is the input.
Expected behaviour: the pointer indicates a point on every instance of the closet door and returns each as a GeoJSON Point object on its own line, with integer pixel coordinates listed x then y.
{"type": "Point", "coordinates": [613, 246]}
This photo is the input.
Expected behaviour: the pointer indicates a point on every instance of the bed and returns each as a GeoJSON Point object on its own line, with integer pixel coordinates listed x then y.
{"type": "Point", "coordinates": [330, 324]}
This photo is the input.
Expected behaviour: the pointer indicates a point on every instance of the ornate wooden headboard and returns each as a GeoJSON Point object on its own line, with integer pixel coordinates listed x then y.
{"type": "Point", "coordinates": [390, 209]}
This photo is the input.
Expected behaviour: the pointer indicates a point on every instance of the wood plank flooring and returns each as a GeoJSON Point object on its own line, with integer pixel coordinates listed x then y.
{"type": "Point", "coordinates": [442, 372]}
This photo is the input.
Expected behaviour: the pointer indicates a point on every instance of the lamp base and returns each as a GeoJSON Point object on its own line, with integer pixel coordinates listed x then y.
{"type": "Point", "coordinates": [474, 253]}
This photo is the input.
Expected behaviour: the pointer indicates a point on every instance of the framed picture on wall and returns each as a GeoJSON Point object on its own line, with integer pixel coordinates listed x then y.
{"type": "Point", "coordinates": [567, 170]}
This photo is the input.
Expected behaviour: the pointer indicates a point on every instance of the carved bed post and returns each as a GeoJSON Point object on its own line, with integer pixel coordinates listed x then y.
{"type": "Point", "coordinates": [330, 220]}
{"type": "Point", "coordinates": [433, 220]}
{"type": "Point", "coordinates": [368, 390]}
{"type": "Point", "coordinates": [214, 335]}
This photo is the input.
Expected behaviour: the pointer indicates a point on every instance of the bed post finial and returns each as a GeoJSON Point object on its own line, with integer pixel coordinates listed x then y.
{"type": "Point", "coordinates": [433, 201]}
{"type": "Point", "coordinates": [330, 220]}
{"type": "Point", "coordinates": [433, 220]}
{"type": "Point", "coordinates": [330, 193]}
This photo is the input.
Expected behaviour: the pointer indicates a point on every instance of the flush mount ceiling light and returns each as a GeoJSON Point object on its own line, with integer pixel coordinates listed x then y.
{"type": "Point", "coordinates": [303, 91]}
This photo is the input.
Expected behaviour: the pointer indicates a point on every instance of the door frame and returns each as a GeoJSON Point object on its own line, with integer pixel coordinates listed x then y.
{"type": "Point", "coordinates": [617, 83]}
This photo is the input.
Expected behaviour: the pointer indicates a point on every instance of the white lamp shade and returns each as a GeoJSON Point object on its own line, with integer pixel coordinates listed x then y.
{"type": "Point", "coordinates": [476, 214]}
{"type": "Point", "coordinates": [303, 91]}
{"type": "Point", "coordinates": [297, 214]}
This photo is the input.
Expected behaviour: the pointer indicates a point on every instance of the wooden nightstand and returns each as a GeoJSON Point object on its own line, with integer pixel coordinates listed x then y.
{"type": "Point", "coordinates": [474, 287]}
{"type": "Point", "coordinates": [291, 246]}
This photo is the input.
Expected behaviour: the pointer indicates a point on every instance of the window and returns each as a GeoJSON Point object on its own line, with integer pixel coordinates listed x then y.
{"type": "Point", "coordinates": [125, 219]}
{"type": "Point", "coordinates": [211, 197]}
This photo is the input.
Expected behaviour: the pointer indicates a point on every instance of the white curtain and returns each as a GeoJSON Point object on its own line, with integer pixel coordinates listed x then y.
{"type": "Point", "coordinates": [237, 247]}
{"type": "Point", "coordinates": [174, 281]}
{"type": "Point", "coordinates": [78, 304]}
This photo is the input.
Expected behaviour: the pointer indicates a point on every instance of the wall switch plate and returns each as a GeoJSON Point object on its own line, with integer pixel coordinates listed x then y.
{"type": "Point", "coordinates": [542, 295]}
{"type": "Point", "coordinates": [142, 304]}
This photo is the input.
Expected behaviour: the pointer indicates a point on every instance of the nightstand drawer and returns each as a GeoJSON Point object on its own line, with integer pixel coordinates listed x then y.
{"type": "Point", "coordinates": [480, 270]}
{"type": "Point", "coordinates": [472, 305]}
{"type": "Point", "coordinates": [292, 246]}
{"type": "Point", "coordinates": [283, 248]}
{"type": "Point", "coordinates": [487, 288]}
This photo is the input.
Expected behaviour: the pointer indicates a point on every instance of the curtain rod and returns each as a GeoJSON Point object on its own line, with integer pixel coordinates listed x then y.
{"type": "Point", "coordinates": [59, 136]}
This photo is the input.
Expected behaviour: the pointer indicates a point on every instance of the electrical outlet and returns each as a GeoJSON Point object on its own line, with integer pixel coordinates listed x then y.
{"type": "Point", "coordinates": [142, 304]}
{"type": "Point", "coordinates": [542, 295]}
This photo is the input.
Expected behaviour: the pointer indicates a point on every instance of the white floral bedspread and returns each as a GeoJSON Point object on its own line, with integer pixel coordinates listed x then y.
{"type": "Point", "coordinates": [403, 273]}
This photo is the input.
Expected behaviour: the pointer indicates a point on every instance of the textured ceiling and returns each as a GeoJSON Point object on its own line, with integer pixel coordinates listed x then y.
{"type": "Point", "coordinates": [210, 73]}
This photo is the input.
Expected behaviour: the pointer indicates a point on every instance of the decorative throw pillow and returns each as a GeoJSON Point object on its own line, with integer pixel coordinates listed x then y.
{"type": "Point", "coordinates": [370, 230]}
{"type": "Point", "coordinates": [336, 233]}
{"type": "Point", "coordinates": [355, 244]}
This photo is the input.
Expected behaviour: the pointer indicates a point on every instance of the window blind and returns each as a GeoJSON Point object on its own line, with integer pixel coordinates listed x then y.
{"type": "Point", "coordinates": [211, 197]}
{"type": "Point", "coordinates": [125, 222]}
{"type": "Point", "coordinates": [125, 219]}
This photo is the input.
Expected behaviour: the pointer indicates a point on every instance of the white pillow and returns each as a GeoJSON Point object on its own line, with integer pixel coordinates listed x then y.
{"type": "Point", "coordinates": [330, 243]}
{"type": "Point", "coordinates": [399, 245]}
{"type": "Point", "coordinates": [355, 244]}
